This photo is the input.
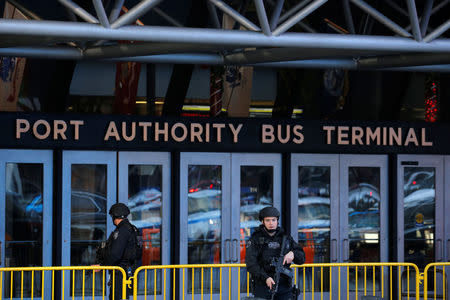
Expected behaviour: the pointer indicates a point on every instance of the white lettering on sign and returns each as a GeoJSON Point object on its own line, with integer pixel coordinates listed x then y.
{"type": "Point", "coordinates": [43, 129]}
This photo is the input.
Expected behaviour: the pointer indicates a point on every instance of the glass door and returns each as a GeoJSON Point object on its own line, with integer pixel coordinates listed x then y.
{"type": "Point", "coordinates": [255, 184]}
{"type": "Point", "coordinates": [89, 190]}
{"type": "Point", "coordinates": [205, 235]}
{"type": "Point", "coordinates": [315, 217]}
{"type": "Point", "coordinates": [364, 218]}
{"type": "Point", "coordinates": [420, 211]}
{"type": "Point", "coordinates": [26, 216]}
{"type": "Point", "coordinates": [144, 186]}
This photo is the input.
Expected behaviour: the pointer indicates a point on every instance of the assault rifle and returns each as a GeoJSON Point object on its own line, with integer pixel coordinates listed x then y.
{"type": "Point", "coordinates": [277, 263]}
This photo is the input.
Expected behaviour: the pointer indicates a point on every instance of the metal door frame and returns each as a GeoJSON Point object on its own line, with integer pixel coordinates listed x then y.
{"type": "Point", "coordinates": [436, 161]}
{"type": "Point", "coordinates": [319, 160]}
{"type": "Point", "coordinates": [249, 159]}
{"type": "Point", "coordinates": [84, 157]}
{"type": "Point", "coordinates": [127, 158]}
{"type": "Point", "coordinates": [204, 158]}
{"type": "Point", "coordinates": [447, 208]}
{"type": "Point", "coordinates": [44, 157]}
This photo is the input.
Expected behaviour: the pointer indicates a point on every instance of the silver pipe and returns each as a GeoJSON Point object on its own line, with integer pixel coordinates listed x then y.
{"type": "Point", "coordinates": [101, 14]}
{"type": "Point", "coordinates": [437, 32]}
{"type": "Point", "coordinates": [414, 20]}
{"type": "Point", "coordinates": [397, 7]}
{"type": "Point", "coordinates": [213, 13]}
{"type": "Point", "coordinates": [426, 17]}
{"type": "Point", "coordinates": [298, 17]}
{"type": "Point", "coordinates": [306, 27]}
{"type": "Point", "coordinates": [407, 60]}
{"type": "Point", "coordinates": [167, 17]}
{"type": "Point", "coordinates": [43, 52]}
{"type": "Point", "coordinates": [439, 6]}
{"type": "Point", "coordinates": [292, 11]}
{"type": "Point", "coordinates": [234, 38]}
{"type": "Point", "coordinates": [381, 18]}
{"type": "Point", "coordinates": [348, 17]}
{"type": "Point", "coordinates": [79, 11]}
{"type": "Point", "coordinates": [235, 15]}
{"type": "Point", "coordinates": [276, 14]}
{"type": "Point", "coordinates": [115, 11]}
{"type": "Point", "coordinates": [135, 13]}
{"type": "Point", "coordinates": [262, 16]}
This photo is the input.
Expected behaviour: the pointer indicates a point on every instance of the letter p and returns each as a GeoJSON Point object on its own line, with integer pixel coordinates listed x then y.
{"type": "Point", "coordinates": [22, 126]}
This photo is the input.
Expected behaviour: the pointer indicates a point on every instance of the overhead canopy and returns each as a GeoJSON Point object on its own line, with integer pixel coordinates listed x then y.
{"type": "Point", "coordinates": [349, 34]}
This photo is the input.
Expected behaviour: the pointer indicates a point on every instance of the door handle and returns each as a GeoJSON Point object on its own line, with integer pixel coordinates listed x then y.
{"type": "Point", "coordinates": [227, 250]}
{"type": "Point", "coordinates": [236, 251]}
{"type": "Point", "coordinates": [345, 250]}
{"type": "Point", "coordinates": [448, 250]}
{"type": "Point", "coordinates": [333, 250]}
{"type": "Point", "coordinates": [439, 250]}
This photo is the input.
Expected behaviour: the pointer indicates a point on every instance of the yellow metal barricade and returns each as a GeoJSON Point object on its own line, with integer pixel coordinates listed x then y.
{"type": "Point", "coordinates": [353, 280]}
{"type": "Point", "coordinates": [68, 282]}
{"type": "Point", "coordinates": [435, 282]}
{"type": "Point", "coordinates": [204, 280]}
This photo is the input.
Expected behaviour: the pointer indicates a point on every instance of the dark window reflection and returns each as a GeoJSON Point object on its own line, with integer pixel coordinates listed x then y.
{"type": "Point", "coordinates": [256, 193]}
{"type": "Point", "coordinates": [23, 225]}
{"type": "Point", "coordinates": [144, 201]}
{"type": "Point", "coordinates": [419, 215]}
{"type": "Point", "coordinates": [314, 222]}
{"type": "Point", "coordinates": [204, 223]}
{"type": "Point", "coordinates": [88, 219]}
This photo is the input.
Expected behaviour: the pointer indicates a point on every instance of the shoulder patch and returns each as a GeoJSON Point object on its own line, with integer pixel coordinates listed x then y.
{"type": "Point", "coordinates": [249, 243]}
{"type": "Point", "coordinates": [116, 235]}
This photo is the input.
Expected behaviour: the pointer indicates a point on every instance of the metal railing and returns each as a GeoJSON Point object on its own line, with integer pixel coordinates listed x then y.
{"type": "Point", "coordinates": [52, 283]}
{"type": "Point", "coordinates": [225, 281]}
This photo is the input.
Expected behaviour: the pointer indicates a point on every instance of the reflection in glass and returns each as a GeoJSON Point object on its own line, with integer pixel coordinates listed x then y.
{"type": "Point", "coordinates": [419, 214]}
{"type": "Point", "coordinates": [256, 193]}
{"type": "Point", "coordinates": [314, 222]}
{"type": "Point", "coordinates": [23, 225]}
{"type": "Point", "coordinates": [204, 223]}
{"type": "Point", "coordinates": [88, 218]}
{"type": "Point", "coordinates": [144, 201]}
{"type": "Point", "coordinates": [364, 219]}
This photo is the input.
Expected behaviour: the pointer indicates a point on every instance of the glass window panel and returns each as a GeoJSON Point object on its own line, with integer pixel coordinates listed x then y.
{"type": "Point", "coordinates": [256, 193]}
{"type": "Point", "coordinates": [204, 223]}
{"type": "Point", "coordinates": [88, 219]}
{"type": "Point", "coordinates": [23, 224]}
{"type": "Point", "coordinates": [314, 219]}
{"type": "Point", "coordinates": [419, 214]}
{"type": "Point", "coordinates": [144, 201]}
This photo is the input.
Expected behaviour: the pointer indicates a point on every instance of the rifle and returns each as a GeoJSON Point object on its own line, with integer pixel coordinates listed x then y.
{"type": "Point", "coordinates": [279, 269]}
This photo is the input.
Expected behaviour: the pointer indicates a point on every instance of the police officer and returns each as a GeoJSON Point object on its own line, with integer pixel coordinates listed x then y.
{"type": "Point", "coordinates": [263, 247]}
{"type": "Point", "coordinates": [120, 249]}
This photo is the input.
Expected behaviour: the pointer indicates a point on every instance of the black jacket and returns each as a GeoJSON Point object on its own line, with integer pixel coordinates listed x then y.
{"type": "Point", "coordinates": [120, 247]}
{"type": "Point", "coordinates": [262, 248]}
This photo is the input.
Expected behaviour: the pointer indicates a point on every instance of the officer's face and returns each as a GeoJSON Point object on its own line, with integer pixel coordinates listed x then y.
{"type": "Point", "coordinates": [270, 222]}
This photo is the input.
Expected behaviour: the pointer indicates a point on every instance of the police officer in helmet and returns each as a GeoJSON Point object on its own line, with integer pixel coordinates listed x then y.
{"type": "Point", "coordinates": [263, 247]}
{"type": "Point", "coordinates": [120, 248]}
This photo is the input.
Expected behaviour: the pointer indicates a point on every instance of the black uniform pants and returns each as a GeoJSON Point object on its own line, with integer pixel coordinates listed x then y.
{"type": "Point", "coordinates": [117, 286]}
{"type": "Point", "coordinates": [284, 292]}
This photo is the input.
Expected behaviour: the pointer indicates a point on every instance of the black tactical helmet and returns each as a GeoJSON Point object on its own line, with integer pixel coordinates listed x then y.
{"type": "Point", "coordinates": [268, 211]}
{"type": "Point", "coordinates": [119, 210]}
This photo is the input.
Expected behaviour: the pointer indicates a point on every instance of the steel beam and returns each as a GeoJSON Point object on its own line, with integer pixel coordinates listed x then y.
{"type": "Point", "coordinates": [79, 11]}
{"type": "Point", "coordinates": [213, 14]}
{"type": "Point", "coordinates": [348, 16]}
{"type": "Point", "coordinates": [404, 60]}
{"type": "Point", "coordinates": [234, 38]}
{"type": "Point", "coordinates": [381, 18]}
{"type": "Point", "coordinates": [101, 14]}
{"type": "Point", "coordinates": [437, 32]}
{"type": "Point", "coordinates": [298, 17]}
{"type": "Point", "coordinates": [439, 6]}
{"type": "Point", "coordinates": [292, 11]}
{"type": "Point", "coordinates": [426, 17]}
{"type": "Point", "coordinates": [167, 17]}
{"type": "Point", "coordinates": [397, 7]}
{"type": "Point", "coordinates": [235, 15]}
{"type": "Point", "coordinates": [276, 14]}
{"type": "Point", "coordinates": [262, 17]}
{"type": "Point", "coordinates": [115, 11]}
{"type": "Point", "coordinates": [414, 20]}
{"type": "Point", "coordinates": [135, 13]}
{"type": "Point", "coordinates": [43, 52]}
